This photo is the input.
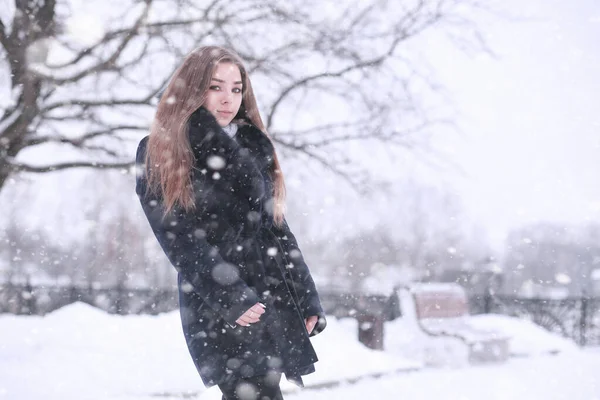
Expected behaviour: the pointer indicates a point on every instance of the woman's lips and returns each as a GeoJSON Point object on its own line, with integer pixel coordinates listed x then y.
{"type": "Point", "coordinates": [224, 113]}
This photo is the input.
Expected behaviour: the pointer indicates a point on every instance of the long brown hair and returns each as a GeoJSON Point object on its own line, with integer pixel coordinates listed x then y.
{"type": "Point", "coordinates": [169, 157]}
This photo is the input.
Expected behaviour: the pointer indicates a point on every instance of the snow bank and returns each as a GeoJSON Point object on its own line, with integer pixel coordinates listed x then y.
{"type": "Point", "coordinates": [82, 352]}
{"type": "Point", "coordinates": [343, 357]}
{"type": "Point", "coordinates": [526, 338]}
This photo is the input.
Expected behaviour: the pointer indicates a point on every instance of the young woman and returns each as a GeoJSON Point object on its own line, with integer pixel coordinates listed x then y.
{"type": "Point", "coordinates": [211, 187]}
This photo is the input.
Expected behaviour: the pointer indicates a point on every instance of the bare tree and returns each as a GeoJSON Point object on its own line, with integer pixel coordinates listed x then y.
{"type": "Point", "coordinates": [92, 90]}
{"type": "Point", "coordinates": [113, 246]}
{"type": "Point", "coordinates": [425, 231]}
{"type": "Point", "coordinates": [547, 255]}
{"type": "Point", "coordinates": [15, 242]}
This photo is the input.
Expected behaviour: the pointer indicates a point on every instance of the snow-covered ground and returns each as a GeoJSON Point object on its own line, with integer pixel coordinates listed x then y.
{"type": "Point", "coordinates": [80, 352]}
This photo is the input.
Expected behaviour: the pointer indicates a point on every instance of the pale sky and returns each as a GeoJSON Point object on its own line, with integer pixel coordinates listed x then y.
{"type": "Point", "coordinates": [530, 117]}
{"type": "Point", "coordinates": [529, 144]}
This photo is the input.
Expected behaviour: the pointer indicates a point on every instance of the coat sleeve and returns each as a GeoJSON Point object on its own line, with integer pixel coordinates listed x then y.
{"type": "Point", "coordinates": [200, 264]}
{"type": "Point", "coordinates": [310, 304]}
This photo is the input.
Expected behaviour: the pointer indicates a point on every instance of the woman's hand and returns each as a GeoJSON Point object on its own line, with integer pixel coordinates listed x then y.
{"type": "Point", "coordinates": [252, 315]}
{"type": "Point", "coordinates": [310, 323]}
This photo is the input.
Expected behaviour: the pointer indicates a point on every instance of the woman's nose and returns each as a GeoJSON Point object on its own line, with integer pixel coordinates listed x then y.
{"type": "Point", "coordinates": [226, 98]}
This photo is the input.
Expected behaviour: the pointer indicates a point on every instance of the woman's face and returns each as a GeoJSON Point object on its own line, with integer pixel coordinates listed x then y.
{"type": "Point", "coordinates": [224, 95]}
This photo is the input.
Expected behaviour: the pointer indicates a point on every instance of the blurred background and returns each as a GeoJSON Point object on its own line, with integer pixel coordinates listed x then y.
{"type": "Point", "coordinates": [429, 140]}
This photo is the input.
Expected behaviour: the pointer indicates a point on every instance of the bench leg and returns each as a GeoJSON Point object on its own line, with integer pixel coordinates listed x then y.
{"type": "Point", "coordinates": [370, 331]}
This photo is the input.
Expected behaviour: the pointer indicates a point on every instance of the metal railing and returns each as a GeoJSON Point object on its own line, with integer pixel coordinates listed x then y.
{"type": "Point", "coordinates": [574, 317]}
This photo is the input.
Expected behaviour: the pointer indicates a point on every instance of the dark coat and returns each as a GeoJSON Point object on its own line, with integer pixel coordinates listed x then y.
{"type": "Point", "coordinates": [230, 255]}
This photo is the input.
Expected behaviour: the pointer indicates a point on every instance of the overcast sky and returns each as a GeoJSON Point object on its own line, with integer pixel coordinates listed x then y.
{"type": "Point", "coordinates": [530, 117]}
{"type": "Point", "coordinates": [529, 142]}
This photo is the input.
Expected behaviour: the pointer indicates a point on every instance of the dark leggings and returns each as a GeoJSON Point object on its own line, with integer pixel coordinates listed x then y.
{"type": "Point", "coordinates": [263, 387]}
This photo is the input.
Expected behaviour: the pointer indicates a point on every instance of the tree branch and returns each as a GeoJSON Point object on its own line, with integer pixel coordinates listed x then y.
{"type": "Point", "coordinates": [45, 18]}
{"type": "Point", "coordinates": [392, 137]}
{"type": "Point", "coordinates": [19, 167]}
{"type": "Point", "coordinates": [368, 63]}
{"type": "Point", "coordinates": [150, 28]}
{"type": "Point", "coordinates": [9, 126]}
{"type": "Point", "coordinates": [321, 160]}
{"type": "Point", "coordinates": [320, 128]}
{"type": "Point", "coordinates": [80, 141]}
{"type": "Point", "coordinates": [110, 61]}
{"type": "Point", "coordinates": [3, 37]}
{"type": "Point", "coordinates": [98, 103]}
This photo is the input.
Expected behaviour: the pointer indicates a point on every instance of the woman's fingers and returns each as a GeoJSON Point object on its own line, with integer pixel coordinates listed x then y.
{"type": "Point", "coordinates": [257, 309]}
{"type": "Point", "coordinates": [251, 319]}
{"type": "Point", "coordinates": [311, 322]}
{"type": "Point", "coordinates": [251, 316]}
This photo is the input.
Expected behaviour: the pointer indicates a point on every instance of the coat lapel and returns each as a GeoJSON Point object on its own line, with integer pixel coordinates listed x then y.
{"type": "Point", "coordinates": [258, 145]}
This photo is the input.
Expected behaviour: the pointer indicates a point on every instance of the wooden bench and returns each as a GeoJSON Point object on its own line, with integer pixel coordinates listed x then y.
{"type": "Point", "coordinates": [439, 315]}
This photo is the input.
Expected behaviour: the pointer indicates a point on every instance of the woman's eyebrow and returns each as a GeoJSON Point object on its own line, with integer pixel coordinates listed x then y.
{"type": "Point", "coordinates": [222, 81]}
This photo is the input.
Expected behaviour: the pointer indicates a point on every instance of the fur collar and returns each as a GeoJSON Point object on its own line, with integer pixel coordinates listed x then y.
{"type": "Point", "coordinates": [207, 137]}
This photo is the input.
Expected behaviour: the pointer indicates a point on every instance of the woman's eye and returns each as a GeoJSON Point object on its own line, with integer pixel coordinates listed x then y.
{"type": "Point", "coordinates": [237, 90]}
{"type": "Point", "coordinates": [215, 87]}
